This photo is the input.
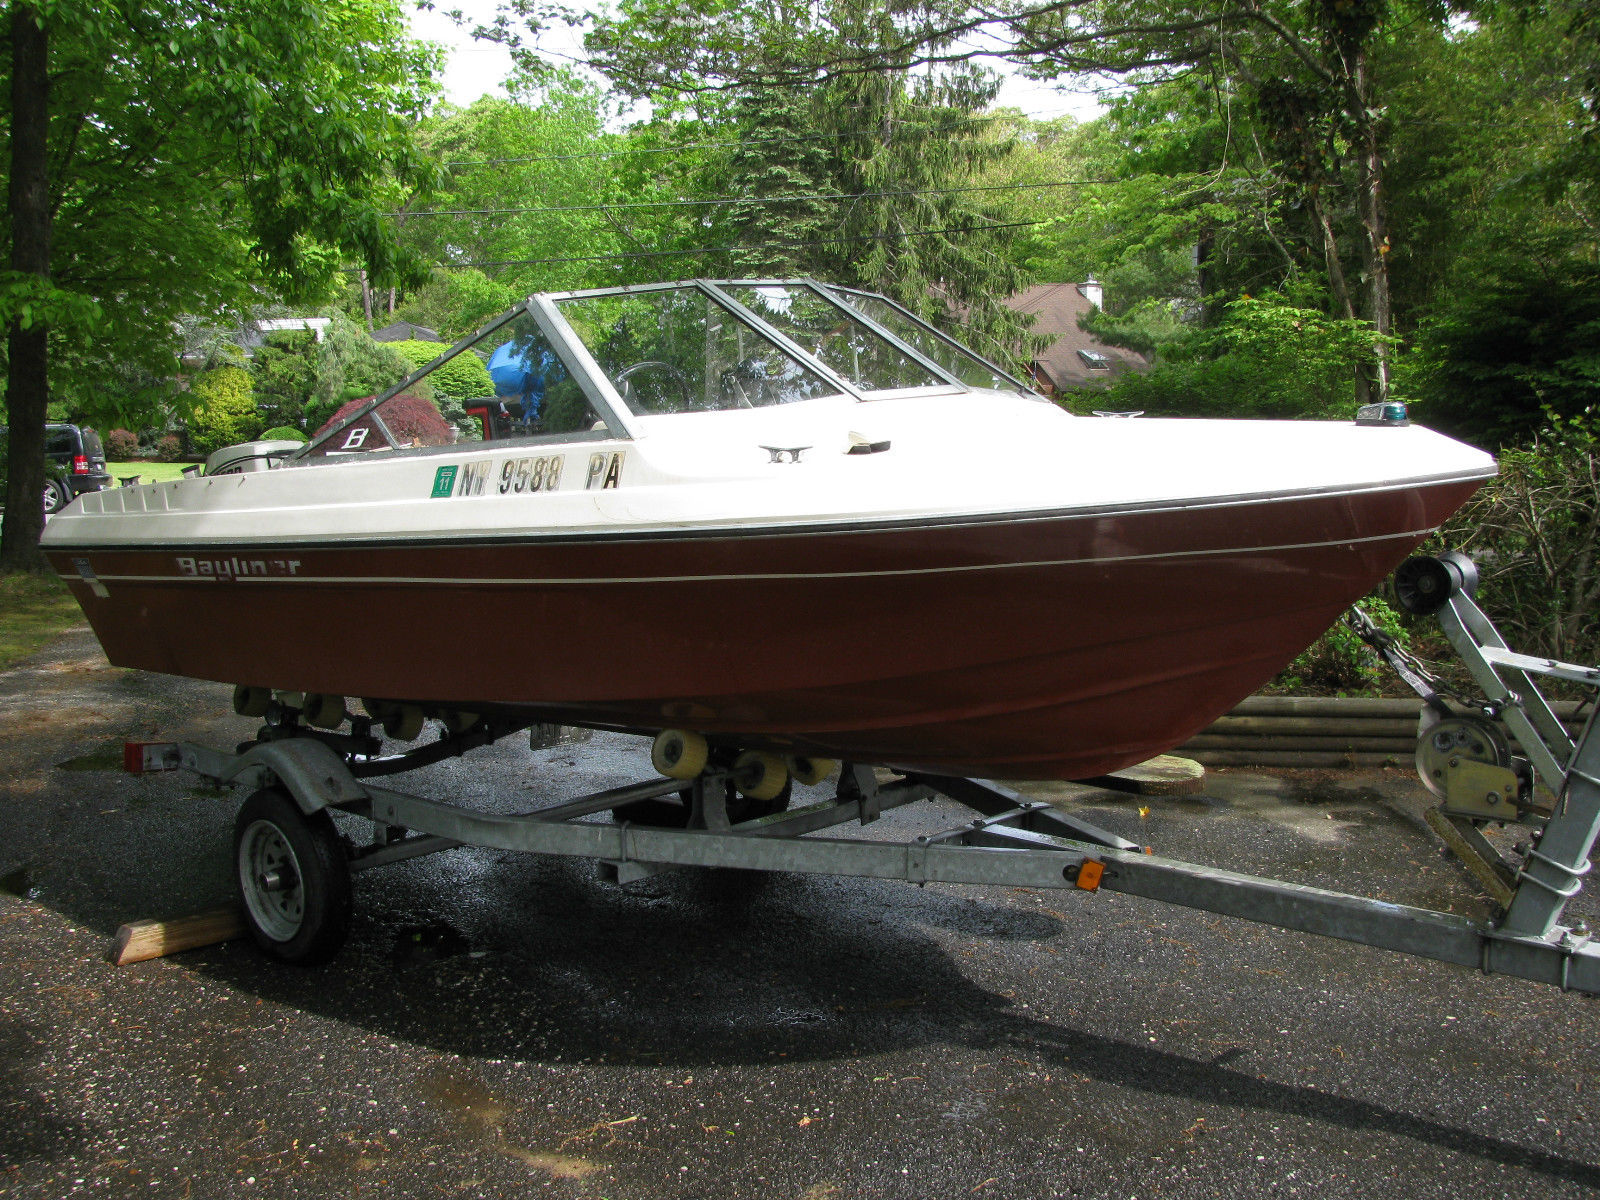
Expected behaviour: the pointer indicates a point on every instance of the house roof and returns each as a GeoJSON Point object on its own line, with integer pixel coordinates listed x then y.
{"type": "Point", "coordinates": [405, 331]}
{"type": "Point", "coordinates": [1073, 357]}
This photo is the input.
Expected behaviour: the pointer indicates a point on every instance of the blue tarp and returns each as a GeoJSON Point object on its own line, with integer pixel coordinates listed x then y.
{"type": "Point", "coordinates": [516, 376]}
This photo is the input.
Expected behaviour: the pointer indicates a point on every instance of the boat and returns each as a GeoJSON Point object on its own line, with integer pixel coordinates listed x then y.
{"type": "Point", "coordinates": [775, 516]}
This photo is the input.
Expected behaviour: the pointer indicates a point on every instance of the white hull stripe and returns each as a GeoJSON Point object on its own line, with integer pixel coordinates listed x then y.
{"type": "Point", "coordinates": [567, 581]}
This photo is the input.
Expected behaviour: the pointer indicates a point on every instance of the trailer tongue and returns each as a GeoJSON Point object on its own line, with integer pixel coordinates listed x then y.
{"type": "Point", "coordinates": [1505, 759]}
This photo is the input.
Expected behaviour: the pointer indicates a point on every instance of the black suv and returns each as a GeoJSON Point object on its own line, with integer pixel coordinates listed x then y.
{"type": "Point", "coordinates": [81, 463]}
{"type": "Point", "coordinates": [74, 463]}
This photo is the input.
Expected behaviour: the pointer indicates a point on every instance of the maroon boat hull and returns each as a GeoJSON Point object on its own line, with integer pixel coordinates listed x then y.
{"type": "Point", "coordinates": [1054, 646]}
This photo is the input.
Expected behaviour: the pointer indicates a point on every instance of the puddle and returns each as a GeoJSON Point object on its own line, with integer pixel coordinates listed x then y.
{"type": "Point", "coordinates": [562, 1166]}
{"type": "Point", "coordinates": [474, 1106]}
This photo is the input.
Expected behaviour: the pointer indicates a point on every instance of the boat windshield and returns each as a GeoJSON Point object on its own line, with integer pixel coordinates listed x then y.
{"type": "Point", "coordinates": [834, 336]}
{"type": "Point", "coordinates": [928, 341]}
{"type": "Point", "coordinates": [673, 350]}
{"type": "Point", "coordinates": [508, 381]}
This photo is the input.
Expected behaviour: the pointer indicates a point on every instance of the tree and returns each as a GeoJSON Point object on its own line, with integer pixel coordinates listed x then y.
{"type": "Point", "coordinates": [1305, 68]}
{"type": "Point", "coordinates": [457, 302]}
{"type": "Point", "coordinates": [284, 374]}
{"type": "Point", "coordinates": [524, 180]}
{"type": "Point", "coordinates": [1497, 363]}
{"type": "Point", "coordinates": [1265, 357]}
{"type": "Point", "coordinates": [865, 179]}
{"type": "Point", "coordinates": [165, 159]}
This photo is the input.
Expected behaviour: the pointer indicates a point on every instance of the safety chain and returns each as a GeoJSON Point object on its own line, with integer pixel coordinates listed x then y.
{"type": "Point", "coordinates": [1408, 666]}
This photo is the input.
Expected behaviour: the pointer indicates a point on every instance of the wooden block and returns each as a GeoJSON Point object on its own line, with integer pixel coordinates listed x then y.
{"type": "Point", "coordinates": [138, 941]}
{"type": "Point", "coordinates": [1163, 775]}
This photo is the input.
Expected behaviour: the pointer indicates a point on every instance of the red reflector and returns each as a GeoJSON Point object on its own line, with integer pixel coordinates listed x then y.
{"type": "Point", "coordinates": [140, 758]}
{"type": "Point", "coordinates": [80, 465]}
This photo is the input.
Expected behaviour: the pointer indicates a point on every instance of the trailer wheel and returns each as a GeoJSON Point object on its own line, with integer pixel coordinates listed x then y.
{"type": "Point", "coordinates": [294, 879]}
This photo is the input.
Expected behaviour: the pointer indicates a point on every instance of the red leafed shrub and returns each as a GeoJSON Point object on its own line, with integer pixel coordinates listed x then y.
{"type": "Point", "coordinates": [121, 445]}
{"type": "Point", "coordinates": [169, 449]}
{"type": "Point", "coordinates": [413, 420]}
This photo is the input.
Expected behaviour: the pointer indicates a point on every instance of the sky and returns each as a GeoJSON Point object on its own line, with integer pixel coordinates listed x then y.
{"type": "Point", "coordinates": [478, 68]}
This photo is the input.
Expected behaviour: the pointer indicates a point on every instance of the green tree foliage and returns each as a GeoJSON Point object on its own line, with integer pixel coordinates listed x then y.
{"type": "Point", "coordinates": [186, 161]}
{"type": "Point", "coordinates": [865, 179]}
{"type": "Point", "coordinates": [1303, 69]}
{"type": "Point", "coordinates": [284, 433]}
{"type": "Point", "coordinates": [1266, 357]}
{"type": "Point", "coordinates": [457, 302]}
{"type": "Point", "coordinates": [525, 188]}
{"type": "Point", "coordinates": [348, 364]}
{"type": "Point", "coordinates": [1524, 344]}
{"type": "Point", "coordinates": [223, 410]}
{"type": "Point", "coordinates": [283, 373]}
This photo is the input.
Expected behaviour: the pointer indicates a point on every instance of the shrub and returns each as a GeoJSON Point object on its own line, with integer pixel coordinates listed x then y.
{"type": "Point", "coordinates": [169, 448]}
{"type": "Point", "coordinates": [1267, 357]}
{"type": "Point", "coordinates": [121, 445]}
{"type": "Point", "coordinates": [224, 410]}
{"type": "Point", "coordinates": [1534, 531]}
{"type": "Point", "coordinates": [464, 377]}
{"type": "Point", "coordinates": [283, 433]}
{"type": "Point", "coordinates": [412, 419]}
{"type": "Point", "coordinates": [1339, 661]}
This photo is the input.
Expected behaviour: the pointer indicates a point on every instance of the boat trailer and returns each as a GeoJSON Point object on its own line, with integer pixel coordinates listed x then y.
{"type": "Point", "coordinates": [294, 867]}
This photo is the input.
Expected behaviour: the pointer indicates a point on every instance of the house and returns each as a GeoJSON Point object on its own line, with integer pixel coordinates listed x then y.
{"type": "Point", "coordinates": [1074, 358]}
{"type": "Point", "coordinates": [256, 331]}
{"type": "Point", "coordinates": [205, 342]}
{"type": "Point", "coordinates": [405, 331]}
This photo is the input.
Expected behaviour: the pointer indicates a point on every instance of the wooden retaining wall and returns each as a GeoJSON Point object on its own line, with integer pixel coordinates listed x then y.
{"type": "Point", "coordinates": [1316, 731]}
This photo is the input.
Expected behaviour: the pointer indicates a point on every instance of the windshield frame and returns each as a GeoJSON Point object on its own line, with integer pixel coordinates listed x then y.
{"type": "Point", "coordinates": [945, 378]}
{"type": "Point", "coordinates": [620, 420]}
{"type": "Point", "coordinates": [905, 312]}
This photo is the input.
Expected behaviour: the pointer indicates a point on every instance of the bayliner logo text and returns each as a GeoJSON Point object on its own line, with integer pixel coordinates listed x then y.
{"type": "Point", "coordinates": [238, 568]}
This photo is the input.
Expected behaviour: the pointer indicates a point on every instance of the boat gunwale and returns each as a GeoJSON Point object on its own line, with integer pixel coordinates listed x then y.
{"type": "Point", "coordinates": [795, 528]}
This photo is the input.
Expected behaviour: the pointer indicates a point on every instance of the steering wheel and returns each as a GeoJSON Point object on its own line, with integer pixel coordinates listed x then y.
{"type": "Point", "coordinates": [621, 379]}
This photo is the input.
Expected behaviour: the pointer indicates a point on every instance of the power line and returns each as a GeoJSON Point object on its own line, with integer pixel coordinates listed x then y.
{"type": "Point", "coordinates": [494, 162]}
{"type": "Point", "coordinates": [562, 208]}
{"type": "Point", "coordinates": [870, 237]}
{"type": "Point", "coordinates": [819, 137]}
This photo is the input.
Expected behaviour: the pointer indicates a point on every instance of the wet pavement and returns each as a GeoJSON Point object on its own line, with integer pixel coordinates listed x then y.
{"type": "Point", "coordinates": [501, 1025]}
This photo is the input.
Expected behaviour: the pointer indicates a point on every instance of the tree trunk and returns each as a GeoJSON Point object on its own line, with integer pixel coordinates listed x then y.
{"type": "Point", "coordinates": [1339, 286]}
{"type": "Point", "coordinates": [1374, 221]}
{"type": "Point", "coordinates": [27, 383]}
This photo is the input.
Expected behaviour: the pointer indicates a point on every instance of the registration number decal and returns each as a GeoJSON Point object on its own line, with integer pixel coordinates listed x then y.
{"type": "Point", "coordinates": [605, 470]}
{"type": "Point", "coordinates": [530, 474]}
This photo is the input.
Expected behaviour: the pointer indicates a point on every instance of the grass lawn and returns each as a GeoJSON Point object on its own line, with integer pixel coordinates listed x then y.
{"type": "Point", "coordinates": [148, 472]}
{"type": "Point", "coordinates": [33, 610]}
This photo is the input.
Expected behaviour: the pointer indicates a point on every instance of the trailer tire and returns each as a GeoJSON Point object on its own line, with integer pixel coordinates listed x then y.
{"type": "Point", "coordinates": [293, 876]}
